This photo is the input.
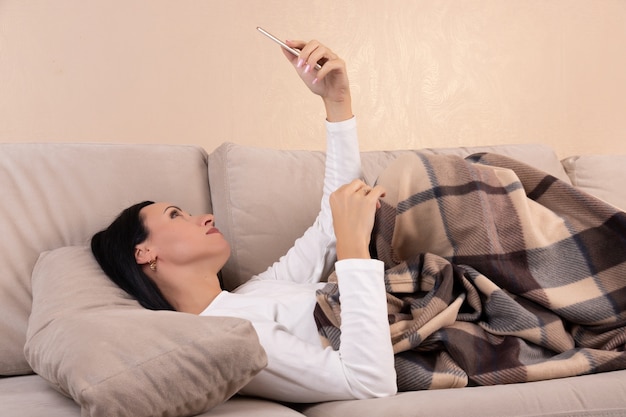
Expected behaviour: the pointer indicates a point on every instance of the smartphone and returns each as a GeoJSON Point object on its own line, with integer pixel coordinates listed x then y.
{"type": "Point", "coordinates": [294, 51]}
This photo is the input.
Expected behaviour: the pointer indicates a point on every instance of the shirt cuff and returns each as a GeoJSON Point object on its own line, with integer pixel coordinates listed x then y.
{"type": "Point", "coordinates": [344, 125]}
{"type": "Point", "coordinates": [360, 264]}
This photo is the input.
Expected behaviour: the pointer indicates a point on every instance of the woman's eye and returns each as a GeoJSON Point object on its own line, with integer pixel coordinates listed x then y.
{"type": "Point", "coordinates": [174, 214]}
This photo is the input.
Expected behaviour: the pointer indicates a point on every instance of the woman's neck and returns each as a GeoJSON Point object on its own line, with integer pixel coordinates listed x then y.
{"type": "Point", "coordinates": [196, 301]}
{"type": "Point", "coordinates": [189, 293]}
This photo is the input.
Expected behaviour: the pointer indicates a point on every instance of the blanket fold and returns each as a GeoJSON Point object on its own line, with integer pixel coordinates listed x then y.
{"type": "Point", "coordinates": [495, 273]}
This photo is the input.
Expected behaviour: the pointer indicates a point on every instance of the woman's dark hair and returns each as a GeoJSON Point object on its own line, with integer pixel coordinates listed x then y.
{"type": "Point", "coordinates": [114, 249]}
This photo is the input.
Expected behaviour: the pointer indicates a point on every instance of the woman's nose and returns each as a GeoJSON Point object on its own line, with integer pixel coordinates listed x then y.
{"type": "Point", "coordinates": [206, 220]}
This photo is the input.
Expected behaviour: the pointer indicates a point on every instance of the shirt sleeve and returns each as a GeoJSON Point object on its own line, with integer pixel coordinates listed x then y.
{"type": "Point", "coordinates": [313, 254]}
{"type": "Point", "coordinates": [363, 367]}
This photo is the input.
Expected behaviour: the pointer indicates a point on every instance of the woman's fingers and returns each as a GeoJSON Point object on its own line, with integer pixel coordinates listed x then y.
{"type": "Point", "coordinates": [360, 189]}
{"type": "Point", "coordinates": [330, 82]}
{"type": "Point", "coordinates": [313, 53]}
{"type": "Point", "coordinates": [298, 44]}
{"type": "Point", "coordinates": [353, 207]}
{"type": "Point", "coordinates": [360, 185]}
{"type": "Point", "coordinates": [373, 193]}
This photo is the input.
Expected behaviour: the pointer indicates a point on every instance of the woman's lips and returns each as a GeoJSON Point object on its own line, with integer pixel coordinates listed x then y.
{"type": "Point", "coordinates": [212, 230]}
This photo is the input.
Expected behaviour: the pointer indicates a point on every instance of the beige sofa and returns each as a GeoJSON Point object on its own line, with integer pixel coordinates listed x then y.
{"type": "Point", "coordinates": [59, 316]}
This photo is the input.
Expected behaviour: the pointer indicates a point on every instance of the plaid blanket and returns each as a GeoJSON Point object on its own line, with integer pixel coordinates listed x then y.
{"type": "Point", "coordinates": [495, 273]}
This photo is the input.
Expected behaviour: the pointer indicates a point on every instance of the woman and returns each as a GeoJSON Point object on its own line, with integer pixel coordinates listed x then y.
{"type": "Point", "coordinates": [169, 259]}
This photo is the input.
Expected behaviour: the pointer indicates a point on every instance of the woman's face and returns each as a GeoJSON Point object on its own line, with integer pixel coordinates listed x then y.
{"type": "Point", "coordinates": [180, 239]}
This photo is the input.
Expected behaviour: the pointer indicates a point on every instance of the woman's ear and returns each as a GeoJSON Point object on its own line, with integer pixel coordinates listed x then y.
{"type": "Point", "coordinates": [142, 254]}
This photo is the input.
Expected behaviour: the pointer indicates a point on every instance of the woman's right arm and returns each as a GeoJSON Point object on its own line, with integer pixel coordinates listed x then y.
{"type": "Point", "coordinates": [313, 255]}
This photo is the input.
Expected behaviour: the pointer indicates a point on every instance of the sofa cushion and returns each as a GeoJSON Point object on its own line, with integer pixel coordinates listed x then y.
{"type": "Point", "coordinates": [30, 395]}
{"type": "Point", "coordinates": [264, 199]}
{"type": "Point", "coordinates": [600, 176]}
{"type": "Point", "coordinates": [582, 396]}
{"type": "Point", "coordinates": [57, 195]}
{"type": "Point", "coordinates": [92, 342]}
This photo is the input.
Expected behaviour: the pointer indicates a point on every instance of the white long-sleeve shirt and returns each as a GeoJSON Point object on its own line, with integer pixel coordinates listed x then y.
{"type": "Point", "coordinates": [280, 302]}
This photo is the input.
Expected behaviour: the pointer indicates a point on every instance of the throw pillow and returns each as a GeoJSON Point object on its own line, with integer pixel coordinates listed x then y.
{"type": "Point", "coordinates": [94, 343]}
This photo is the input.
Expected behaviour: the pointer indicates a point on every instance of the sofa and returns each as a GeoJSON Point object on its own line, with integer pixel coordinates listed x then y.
{"type": "Point", "coordinates": [73, 344]}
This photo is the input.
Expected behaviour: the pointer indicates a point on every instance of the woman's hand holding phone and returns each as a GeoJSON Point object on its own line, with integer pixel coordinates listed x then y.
{"type": "Point", "coordinates": [329, 82]}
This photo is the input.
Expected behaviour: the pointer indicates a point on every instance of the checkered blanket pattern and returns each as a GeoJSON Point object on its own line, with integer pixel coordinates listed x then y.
{"type": "Point", "coordinates": [496, 273]}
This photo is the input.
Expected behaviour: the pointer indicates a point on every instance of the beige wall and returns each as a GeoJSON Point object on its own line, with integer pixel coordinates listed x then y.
{"type": "Point", "coordinates": [424, 73]}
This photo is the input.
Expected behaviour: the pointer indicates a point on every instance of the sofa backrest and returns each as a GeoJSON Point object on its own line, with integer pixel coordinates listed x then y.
{"type": "Point", "coordinates": [264, 199]}
{"type": "Point", "coordinates": [56, 195]}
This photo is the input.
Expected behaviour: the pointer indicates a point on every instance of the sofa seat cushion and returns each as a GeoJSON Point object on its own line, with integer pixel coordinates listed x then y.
{"type": "Point", "coordinates": [94, 343]}
{"type": "Point", "coordinates": [27, 396]}
{"type": "Point", "coordinates": [30, 395]}
{"type": "Point", "coordinates": [583, 396]}
{"type": "Point", "coordinates": [240, 406]}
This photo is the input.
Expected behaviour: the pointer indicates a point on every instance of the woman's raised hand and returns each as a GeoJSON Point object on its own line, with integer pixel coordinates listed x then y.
{"type": "Point", "coordinates": [330, 82]}
{"type": "Point", "coordinates": [353, 206]}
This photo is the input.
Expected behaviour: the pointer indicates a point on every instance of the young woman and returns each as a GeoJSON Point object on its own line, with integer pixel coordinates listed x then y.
{"type": "Point", "coordinates": [170, 259]}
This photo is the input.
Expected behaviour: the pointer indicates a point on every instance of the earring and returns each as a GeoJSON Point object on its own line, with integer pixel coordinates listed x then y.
{"type": "Point", "coordinates": [153, 265]}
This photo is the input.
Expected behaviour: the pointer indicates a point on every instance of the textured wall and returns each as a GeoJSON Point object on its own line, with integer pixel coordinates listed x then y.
{"type": "Point", "coordinates": [424, 73]}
